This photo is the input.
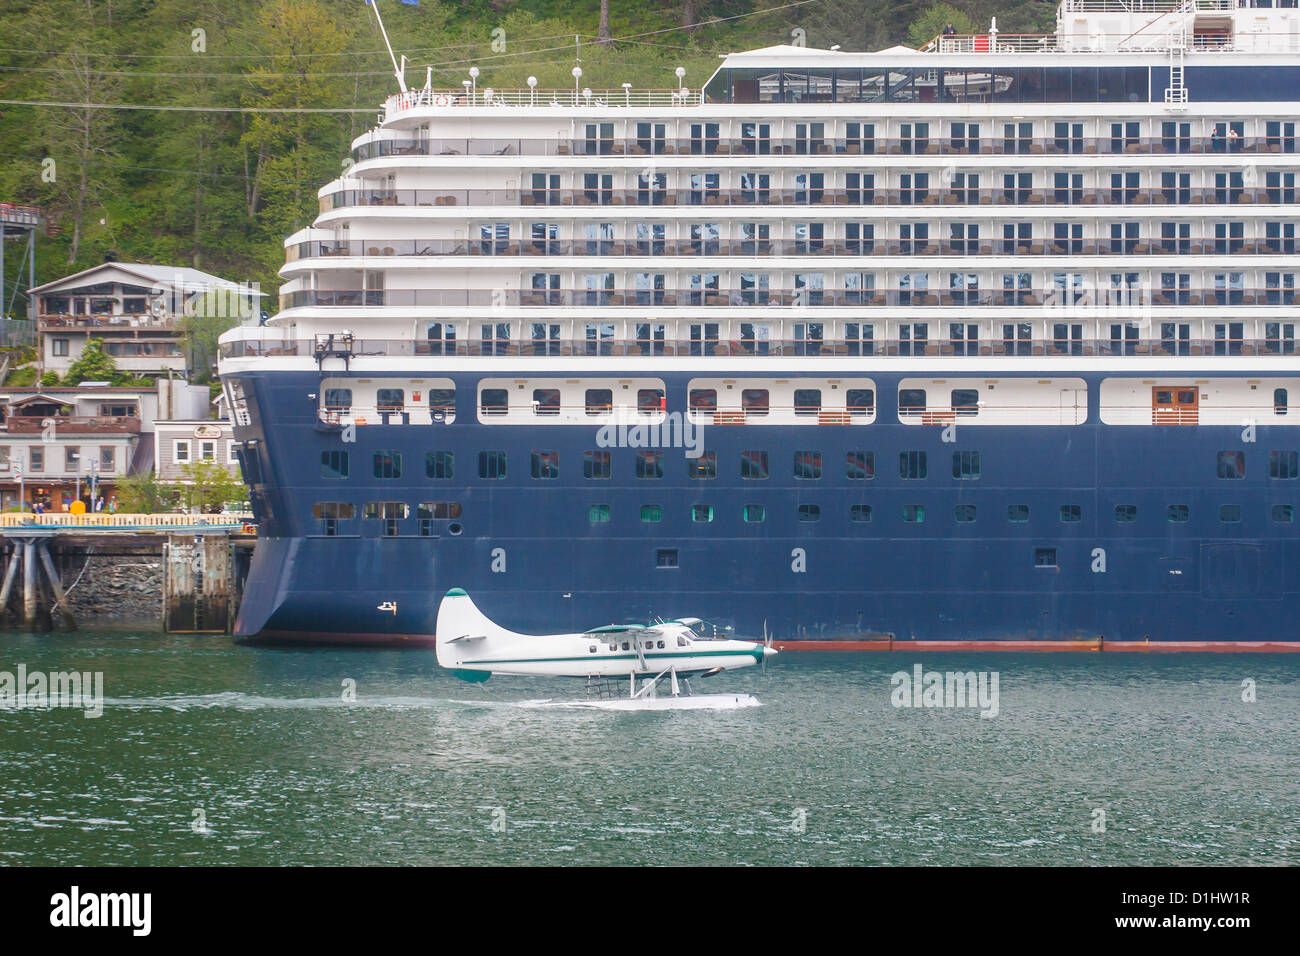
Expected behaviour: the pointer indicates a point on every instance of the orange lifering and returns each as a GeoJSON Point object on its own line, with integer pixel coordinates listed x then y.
{"type": "Point", "coordinates": [442, 100]}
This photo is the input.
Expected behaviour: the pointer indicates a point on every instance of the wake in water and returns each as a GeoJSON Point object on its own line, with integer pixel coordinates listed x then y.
{"type": "Point", "coordinates": [235, 700]}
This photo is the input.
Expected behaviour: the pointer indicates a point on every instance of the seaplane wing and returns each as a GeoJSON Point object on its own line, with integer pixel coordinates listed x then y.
{"type": "Point", "coordinates": [473, 647]}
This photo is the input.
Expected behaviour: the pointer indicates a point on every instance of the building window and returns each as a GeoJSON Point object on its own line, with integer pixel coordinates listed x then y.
{"type": "Point", "coordinates": [650, 400]}
{"type": "Point", "coordinates": [1126, 514]}
{"type": "Point", "coordinates": [860, 401]}
{"type": "Point", "coordinates": [810, 513]}
{"type": "Point", "coordinates": [390, 400]}
{"type": "Point", "coordinates": [546, 401]}
{"type": "Point", "coordinates": [388, 464]}
{"type": "Point", "coordinates": [334, 509]}
{"type": "Point", "coordinates": [755, 513]}
{"type": "Point", "coordinates": [666, 558]}
{"type": "Point", "coordinates": [72, 458]}
{"type": "Point", "coordinates": [702, 513]}
{"type": "Point", "coordinates": [207, 451]}
{"type": "Point", "coordinates": [808, 465]}
{"type": "Point", "coordinates": [1071, 513]}
{"type": "Point", "coordinates": [753, 465]}
{"type": "Point", "coordinates": [494, 401]}
{"type": "Point", "coordinates": [338, 399]}
{"type": "Point", "coordinates": [913, 514]}
{"type": "Point", "coordinates": [440, 464]}
{"type": "Point", "coordinates": [333, 464]}
{"type": "Point", "coordinates": [389, 512]}
{"type": "Point", "coordinates": [1017, 514]}
{"type": "Point", "coordinates": [1279, 401]}
{"type": "Point", "coordinates": [596, 464]}
{"type": "Point", "coordinates": [181, 451]}
{"type": "Point", "coordinates": [754, 401]}
{"type": "Point", "coordinates": [1282, 465]}
{"type": "Point", "coordinates": [912, 465]}
{"type": "Point", "coordinates": [649, 464]}
{"type": "Point", "coordinates": [1232, 464]}
{"type": "Point", "coordinates": [108, 458]}
{"type": "Point", "coordinates": [807, 401]}
{"type": "Point", "coordinates": [1045, 558]}
{"type": "Point", "coordinates": [60, 348]}
{"type": "Point", "coordinates": [1229, 514]}
{"type": "Point", "coordinates": [860, 465]}
{"type": "Point", "coordinates": [492, 464]}
{"type": "Point", "coordinates": [546, 464]}
{"type": "Point", "coordinates": [703, 400]}
{"type": "Point", "coordinates": [964, 514]}
{"type": "Point", "coordinates": [1283, 514]}
{"type": "Point", "coordinates": [598, 514]}
{"type": "Point", "coordinates": [965, 401]}
{"type": "Point", "coordinates": [1177, 513]}
{"type": "Point", "coordinates": [36, 458]}
{"type": "Point", "coordinates": [652, 513]}
{"type": "Point", "coordinates": [704, 467]}
{"type": "Point", "coordinates": [860, 513]}
{"type": "Point", "coordinates": [911, 401]}
{"type": "Point", "coordinates": [966, 465]}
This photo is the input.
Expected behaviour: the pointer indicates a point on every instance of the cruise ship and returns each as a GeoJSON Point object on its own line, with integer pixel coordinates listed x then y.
{"type": "Point", "coordinates": [990, 344]}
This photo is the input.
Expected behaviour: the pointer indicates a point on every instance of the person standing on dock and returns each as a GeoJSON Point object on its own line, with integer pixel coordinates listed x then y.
{"type": "Point", "coordinates": [112, 505]}
{"type": "Point", "coordinates": [99, 504]}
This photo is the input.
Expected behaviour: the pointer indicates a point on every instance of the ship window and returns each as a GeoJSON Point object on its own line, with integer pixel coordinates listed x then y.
{"type": "Point", "coordinates": [914, 514]}
{"type": "Point", "coordinates": [754, 401]}
{"type": "Point", "coordinates": [807, 401]}
{"type": "Point", "coordinates": [1279, 401]}
{"type": "Point", "coordinates": [965, 401]}
{"type": "Point", "coordinates": [1177, 513]}
{"type": "Point", "coordinates": [338, 399]}
{"type": "Point", "coordinates": [333, 464]}
{"type": "Point", "coordinates": [912, 465]}
{"type": "Point", "coordinates": [704, 399]}
{"type": "Point", "coordinates": [1232, 464]}
{"type": "Point", "coordinates": [966, 465]}
{"type": "Point", "coordinates": [702, 513]}
{"type": "Point", "coordinates": [387, 510]}
{"type": "Point", "coordinates": [492, 464]}
{"type": "Point", "coordinates": [334, 509]}
{"type": "Point", "coordinates": [650, 400]}
{"type": "Point", "coordinates": [649, 464]}
{"type": "Point", "coordinates": [1017, 514]}
{"type": "Point", "coordinates": [808, 464]}
{"type": "Point", "coordinates": [1126, 514]}
{"type": "Point", "coordinates": [753, 465]}
{"type": "Point", "coordinates": [595, 464]}
{"type": "Point", "coordinates": [388, 464]}
{"type": "Point", "coordinates": [598, 514]}
{"type": "Point", "coordinates": [442, 400]}
{"type": "Point", "coordinates": [810, 513]}
{"type": "Point", "coordinates": [1282, 464]}
{"type": "Point", "coordinates": [860, 401]}
{"type": "Point", "coordinates": [860, 513]}
{"type": "Point", "coordinates": [1071, 513]}
{"type": "Point", "coordinates": [546, 401]}
{"type": "Point", "coordinates": [860, 465]}
{"type": "Point", "coordinates": [911, 401]}
{"type": "Point", "coordinates": [704, 467]}
{"type": "Point", "coordinates": [494, 401]}
{"type": "Point", "coordinates": [666, 558]}
{"type": "Point", "coordinates": [599, 400]}
{"type": "Point", "coordinates": [440, 464]}
{"type": "Point", "coordinates": [755, 513]}
{"type": "Point", "coordinates": [964, 514]}
{"type": "Point", "coordinates": [1045, 557]}
{"type": "Point", "coordinates": [652, 513]}
{"type": "Point", "coordinates": [546, 464]}
{"type": "Point", "coordinates": [1283, 514]}
{"type": "Point", "coordinates": [390, 400]}
{"type": "Point", "coordinates": [1229, 514]}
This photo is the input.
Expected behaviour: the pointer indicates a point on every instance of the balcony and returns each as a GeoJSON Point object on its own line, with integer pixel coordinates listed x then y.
{"type": "Point", "coordinates": [106, 324]}
{"type": "Point", "coordinates": [73, 424]}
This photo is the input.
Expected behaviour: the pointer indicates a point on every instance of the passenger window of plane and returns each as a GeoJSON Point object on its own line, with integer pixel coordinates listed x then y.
{"type": "Point", "coordinates": [613, 645]}
{"type": "Point", "coordinates": [627, 646]}
{"type": "Point", "coordinates": [592, 648]}
{"type": "Point", "coordinates": [682, 641]}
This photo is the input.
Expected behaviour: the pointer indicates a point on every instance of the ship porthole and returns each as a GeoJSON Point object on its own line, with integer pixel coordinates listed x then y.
{"type": "Point", "coordinates": [455, 527]}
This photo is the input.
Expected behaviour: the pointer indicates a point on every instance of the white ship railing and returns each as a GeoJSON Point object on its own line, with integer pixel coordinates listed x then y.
{"type": "Point", "coordinates": [1171, 35]}
{"type": "Point", "coordinates": [532, 98]}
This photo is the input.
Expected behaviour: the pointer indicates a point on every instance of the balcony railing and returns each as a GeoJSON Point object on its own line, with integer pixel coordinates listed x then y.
{"type": "Point", "coordinates": [990, 143]}
{"type": "Point", "coordinates": [785, 248]}
{"type": "Point", "coordinates": [106, 323]}
{"type": "Point", "coordinates": [75, 424]}
{"type": "Point", "coordinates": [706, 346]}
{"type": "Point", "coordinates": [948, 196]}
{"type": "Point", "coordinates": [1037, 297]}
{"type": "Point", "coordinates": [448, 99]}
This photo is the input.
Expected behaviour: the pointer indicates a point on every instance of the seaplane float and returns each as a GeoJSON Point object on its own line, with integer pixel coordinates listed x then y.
{"type": "Point", "coordinates": [474, 648]}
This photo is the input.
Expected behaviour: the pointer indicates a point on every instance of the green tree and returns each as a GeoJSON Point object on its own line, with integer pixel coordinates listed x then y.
{"type": "Point", "coordinates": [202, 324]}
{"type": "Point", "coordinates": [208, 486]}
{"type": "Point", "coordinates": [931, 23]}
{"type": "Point", "coordinates": [94, 365]}
{"type": "Point", "coordinates": [50, 379]}
{"type": "Point", "coordinates": [145, 495]}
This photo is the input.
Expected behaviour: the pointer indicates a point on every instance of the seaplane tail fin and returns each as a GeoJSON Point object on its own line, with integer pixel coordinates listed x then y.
{"type": "Point", "coordinates": [464, 632]}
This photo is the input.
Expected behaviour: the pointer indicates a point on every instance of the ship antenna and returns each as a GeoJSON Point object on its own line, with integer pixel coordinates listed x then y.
{"type": "Point", "coordinates": [398, 71]}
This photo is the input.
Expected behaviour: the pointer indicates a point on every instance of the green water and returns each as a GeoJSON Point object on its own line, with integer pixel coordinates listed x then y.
{"type": "Point", "coordinates": [424, 769]}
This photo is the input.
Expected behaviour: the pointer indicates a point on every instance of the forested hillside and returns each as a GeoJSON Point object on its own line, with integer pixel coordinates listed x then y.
{"type": "Point", "coordinates": [219, 177]}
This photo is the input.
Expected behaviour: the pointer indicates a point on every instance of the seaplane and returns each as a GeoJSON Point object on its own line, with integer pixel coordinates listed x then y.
{"type": "Point", "coordinates": [474, 648]}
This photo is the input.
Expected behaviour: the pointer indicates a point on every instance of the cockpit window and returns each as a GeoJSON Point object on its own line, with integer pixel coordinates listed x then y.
{"type": "Point", "coordinates": [683, 641]}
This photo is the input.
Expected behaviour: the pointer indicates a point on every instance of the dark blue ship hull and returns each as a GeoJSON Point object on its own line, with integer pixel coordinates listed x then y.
{"type": "Point", "coordinates": [532, 559]}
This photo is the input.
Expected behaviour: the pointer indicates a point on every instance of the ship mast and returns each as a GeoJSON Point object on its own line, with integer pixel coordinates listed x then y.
{"type": "Point", "coordinates": [398, 71]}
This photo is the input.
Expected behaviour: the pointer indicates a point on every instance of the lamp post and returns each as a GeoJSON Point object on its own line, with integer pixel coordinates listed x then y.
{"type": "Point", "coordinates": [473, 83]}
{"type": "Point", "coordinates": [681, 74]}
{"type": "Point", "coordinates": [532, 91]}
{"type": "Point", "coordinates": [577, 75]}
{"type": "Point", "coordinates": [627, 93]}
